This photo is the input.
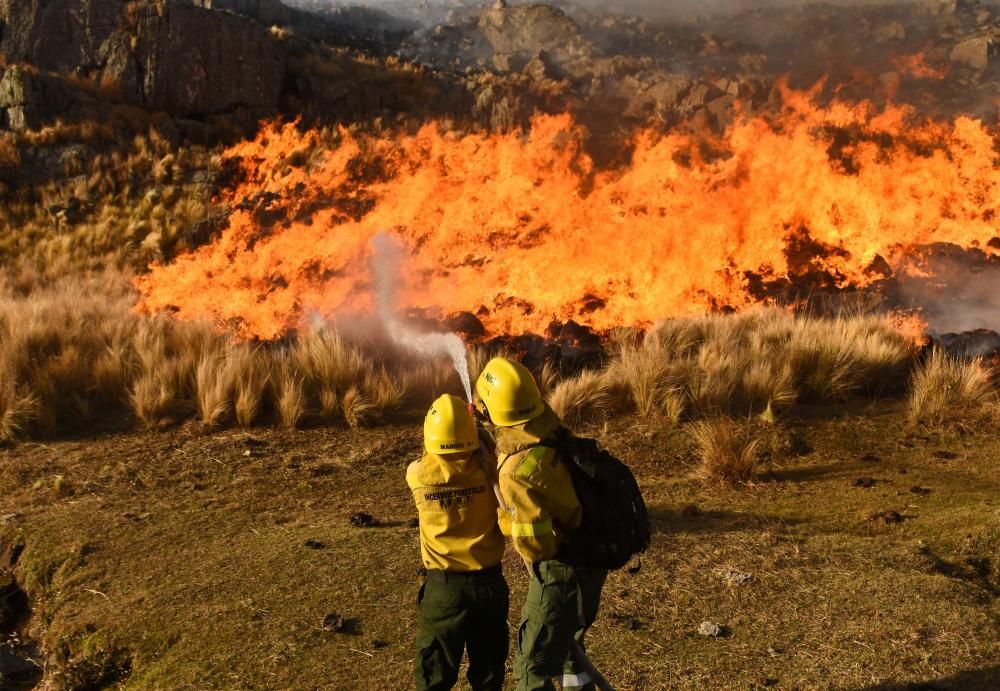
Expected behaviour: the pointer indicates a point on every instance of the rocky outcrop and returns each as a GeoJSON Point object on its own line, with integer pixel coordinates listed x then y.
{"type": "Point", "coordinates": [975, 52]}
{"type": "Point", "coordinates": [189, 61]}
{"type": "Point", "coordinates": [267, 12]}
{"type": "Point", "coordinates": [59, 35]}
{"type": "Point", "coordinates": [28, 99]}
{"type": "Point", "coordinates": [170, 56]}
{"type": "Point", "coordinates": [530, 28]}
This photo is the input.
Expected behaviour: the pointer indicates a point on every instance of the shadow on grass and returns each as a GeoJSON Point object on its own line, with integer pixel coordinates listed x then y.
{"type": "Point", "coordinates": [691, 519]}
{"type": "Point", "coordinates": [810, 472]}
{"type": "Point", "coordinates": [970, 680]}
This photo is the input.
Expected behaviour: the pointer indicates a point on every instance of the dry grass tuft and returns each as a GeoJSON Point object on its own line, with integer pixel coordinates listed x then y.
{"type": "Point", "coordinates": [479, 355]}
{"type": "Point", "coordinates": [641, 373]}
{"type": "Point", "coordinates": [356, 408]}
{"type": "Point", "coordinates": [548, 378]}
{"type": "Point", "coordinates": [153, 397]}
{"type": "Point", "coordinates": [944, 386]}
{"type": "Point", "coordinates": [726, 454]}
{"type": "Point", "coordinates": [290, 395]}
{"type": "Point", "coordinates": [329, 403]}
{"type": "Point", "coordinates": [385, 391]}
{"type": "Point", "coordinates": [582, 398]}
{"type": "Point", "coordinates": [17, 411]}
{"type": "Point", "coordinates": [252, 380]}
{"type": "Point", "coordinates": [213, 387]}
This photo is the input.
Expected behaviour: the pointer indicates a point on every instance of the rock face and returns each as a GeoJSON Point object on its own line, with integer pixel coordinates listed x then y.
{"type": "Point", "coordinates": [189, 61]}
{"type": "Point", "coordinates": [58, 35]}
{"type": "Point", "coordinates": [171, 56]}
{"type": "Point", "coordinates": [267, 12]}
{"type": "Point", "coordinates": [27, 98]}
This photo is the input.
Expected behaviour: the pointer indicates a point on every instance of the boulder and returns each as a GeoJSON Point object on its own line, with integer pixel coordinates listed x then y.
{"type": "Point", "coordinates": [667, 93]}
{"type": "Point", "coordinates": [974, 52]}
{"type": "Point", "coordinates": [722, 111]}
{"type": "Point", "coordinates": [701, 94]}
{"type": "Point", "coordinates": [543, 66]}
{"type": "Point", "coordinates": [530, 29]}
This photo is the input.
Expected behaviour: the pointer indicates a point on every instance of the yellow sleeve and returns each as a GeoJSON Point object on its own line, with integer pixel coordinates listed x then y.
{"type": "Point", "coordinates": [530, 522]}
{"type": "Point", "coordinates": [412, 471]}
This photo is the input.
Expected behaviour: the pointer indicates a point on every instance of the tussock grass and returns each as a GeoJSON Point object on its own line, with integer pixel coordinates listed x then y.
{"type": "Point", "coordinates": [75, 352]}
{"type": "Point", "coordinates": [548, 378]}
{"type": "Point", "coordinates": [584, 397]}
{"type": "Point", "coordinates": [761, 361]}
{"type": "Point", "coordinates": [356, 408]}
{"type": "Point", "coordinates": [727, 455]}
{"type": "Point", "coordinates": [648, 379]}
{"type": "Point", "coordinates": [154, 395]}
{"type": "Point", "coordinates": [386, 391]}
{"type": "Point", "coordinates": [115, 200]}
{"type": "Point", "coordinates": [17, 411]}
{"type": "Point", "coordinates": [944, 386]}
{"type": "Point", "coordinates": [214, 385]}
{"type": "Point", "coordinates": [252, 381]}
{"type": "Point", "coordinates": [290, 396]}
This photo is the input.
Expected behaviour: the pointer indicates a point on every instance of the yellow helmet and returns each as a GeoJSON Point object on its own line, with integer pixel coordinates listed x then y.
{"type": "Point", "coordinates": [509, 392]}
{"type": "Point", "coordinates": [449, 427]}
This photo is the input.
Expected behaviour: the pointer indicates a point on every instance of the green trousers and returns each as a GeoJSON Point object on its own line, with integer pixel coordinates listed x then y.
{"type": "Point", "coordinates": [462, 612]}
{"type": "Point", "coordinates": [561, 605]}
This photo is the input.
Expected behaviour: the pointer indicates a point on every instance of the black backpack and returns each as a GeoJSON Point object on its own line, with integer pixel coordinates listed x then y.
{"type": "Point", "coordinates": [615, 525]}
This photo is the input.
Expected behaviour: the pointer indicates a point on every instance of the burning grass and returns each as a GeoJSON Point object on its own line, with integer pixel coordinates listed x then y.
{"type": "Point", "coordinates": [513, 227]}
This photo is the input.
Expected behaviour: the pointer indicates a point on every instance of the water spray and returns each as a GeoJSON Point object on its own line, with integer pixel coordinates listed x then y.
{"type": "Point", "coordinates": [387, 257]}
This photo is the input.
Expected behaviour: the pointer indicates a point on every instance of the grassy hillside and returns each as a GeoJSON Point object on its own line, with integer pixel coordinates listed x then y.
{"type": "Point", "coordinates": [186, 560]}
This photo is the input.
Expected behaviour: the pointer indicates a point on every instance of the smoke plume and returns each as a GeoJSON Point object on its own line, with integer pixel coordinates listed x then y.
{"type": "Point", "coordinates": [387, 258]}
{"type": "Point", "coordinates": [962, 292]}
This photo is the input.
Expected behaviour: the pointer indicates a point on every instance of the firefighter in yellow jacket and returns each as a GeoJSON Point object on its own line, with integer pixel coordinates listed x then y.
{"type": "Point", "coordinates": [463, 603]}
{"type": "Point", "coordinates": [543, 511]}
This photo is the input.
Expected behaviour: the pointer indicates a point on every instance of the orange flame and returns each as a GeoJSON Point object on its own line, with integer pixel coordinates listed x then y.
{"type": "Point", "coordinates": [911, 325]}
{"type": "Point", "coordinates": [522, 230]}
{"type": "Point", "coordinates": [914, 65]}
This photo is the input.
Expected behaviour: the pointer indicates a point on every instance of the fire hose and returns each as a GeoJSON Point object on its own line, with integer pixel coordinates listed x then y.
{"type": "Point", "coordinates": [579, 654]}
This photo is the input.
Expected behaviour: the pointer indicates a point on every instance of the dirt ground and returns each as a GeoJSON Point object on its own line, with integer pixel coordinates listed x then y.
{"type": "Point", "coordinates": [867, 555]}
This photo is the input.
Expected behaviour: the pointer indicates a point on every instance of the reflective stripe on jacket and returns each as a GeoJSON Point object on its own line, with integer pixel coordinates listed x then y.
{"type": "Point", "coordinates": [537, 487]}
{"type": "Point", "coordinates": [458, 513]}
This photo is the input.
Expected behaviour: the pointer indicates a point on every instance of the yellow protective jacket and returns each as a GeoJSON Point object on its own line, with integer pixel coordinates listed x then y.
{"type": "Point", "coordinates": [537, 488]}
{"type": "Point", "coordinates": [458, 513]}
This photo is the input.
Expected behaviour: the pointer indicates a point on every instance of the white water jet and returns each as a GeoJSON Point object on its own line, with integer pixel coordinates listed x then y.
{"type": "Point", "coordinates": [387, 257]}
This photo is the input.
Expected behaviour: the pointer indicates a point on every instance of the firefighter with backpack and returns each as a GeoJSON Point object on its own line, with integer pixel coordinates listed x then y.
{"type": "Point", "coordinates": [463, 602]}
{"type": "Point", "coordinates": [542, 468]}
